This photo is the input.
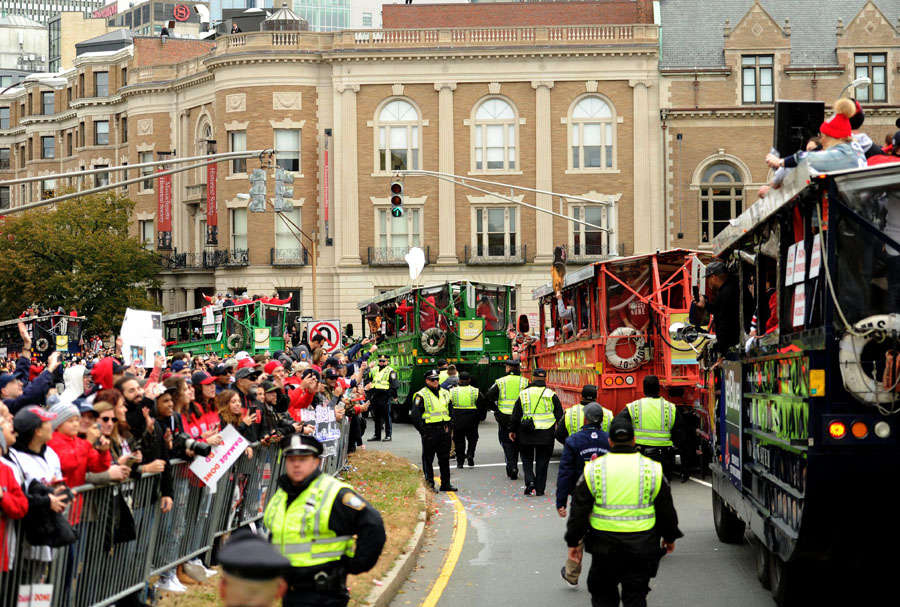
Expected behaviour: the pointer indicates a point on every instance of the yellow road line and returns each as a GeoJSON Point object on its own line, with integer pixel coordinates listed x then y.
{"type": "Point", "coordinates": [456, 545]}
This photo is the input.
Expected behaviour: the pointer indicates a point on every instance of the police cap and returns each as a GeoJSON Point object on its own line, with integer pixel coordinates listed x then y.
{"type": "Point", "coordinates": [432, 374]}
{"type": "Point", "coordinates": [441, 362]}
{"type": "Point", "coordinates": [589, 391]}
{"type": "Point", "coordinates": [621, 430]}
{"type": "Point", "coordinates": [716, 267]}
{"type": "Point", "coordinates": [593, 413]}
{"type": "Point", "coordinates": [248, 556]}
{"type": "Point", "coordinates": [382, 358]}
{"type": "Point", "coordinates": [512, 363]}
{"type": "Point", "coordinates": [302, 444]}
{"type": "Point", "coordinates": [539, 373]}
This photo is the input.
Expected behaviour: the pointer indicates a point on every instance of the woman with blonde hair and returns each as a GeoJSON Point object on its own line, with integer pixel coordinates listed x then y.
{"type": "Point", "coordinates": [228, 404]}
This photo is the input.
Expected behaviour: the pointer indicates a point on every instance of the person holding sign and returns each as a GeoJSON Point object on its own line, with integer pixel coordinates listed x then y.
{"type": "Point", "coordinates": [312, 519]}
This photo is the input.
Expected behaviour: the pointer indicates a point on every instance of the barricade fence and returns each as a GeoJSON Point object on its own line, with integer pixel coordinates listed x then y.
{"type": "Point", "coordinates": [124, 538]}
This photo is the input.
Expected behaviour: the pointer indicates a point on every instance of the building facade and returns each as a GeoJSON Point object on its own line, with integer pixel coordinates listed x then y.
{"type": "Point", "coordinates": [23, 44]}
{"type": "Point", "coordinates": [40, 11]}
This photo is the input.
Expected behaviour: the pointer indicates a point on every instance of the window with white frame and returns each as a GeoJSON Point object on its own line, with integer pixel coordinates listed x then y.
{"type": "Point", "coordinates": [146, 184]}
{"type": "Point", "coordinates": [285, 233]}
{"type": "Point", "coordinates": [145, 233]}
{"type": "Point", "coordinates": [101, 132]}
{"type": "Point", "coordinates": [494, 138]}
{"type": "Point", "coordinates": [48, 188]}
{"type": "Point", "coordinates": [874, 67]}
{"type": "Point", "coordinates": [237, 142]}
{"type": "Point", "coordinates": [721, 198]}
{"type": "Point", "coordinates": [590, 240]}
{"type": "Point", "coordinates": [397, 234]}
{"type": "Point", "coordinates": [397, 130]}
{"type": "Point", "coordinates": [238, 220]}
{"type": "Point", "coordinates": [496, 232]}
{"type": "Point", "coordinates": [592, 133]}
{"type": "Point", "coordinates": [757, 84]}
{"type": "Point", "coordinates": [287, 146]}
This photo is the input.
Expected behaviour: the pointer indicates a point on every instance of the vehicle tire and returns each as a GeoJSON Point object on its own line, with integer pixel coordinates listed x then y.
{"type": "Point", "coordinates": [786, 582]}
{"type": "Point", "coordinates": [41, 344]}
{"type": "Point", "coordinates": [763, 556]}
{"type": "Point", "coordinates": [729, 528]}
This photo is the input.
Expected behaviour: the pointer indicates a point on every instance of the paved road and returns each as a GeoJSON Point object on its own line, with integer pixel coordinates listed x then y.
{"type": "Point", "coordinates": [513, 547]}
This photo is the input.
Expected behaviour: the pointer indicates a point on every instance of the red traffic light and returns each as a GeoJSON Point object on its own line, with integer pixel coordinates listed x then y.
{"type": "Point", "coordinates": [396, 188]}
{"type": "Point", "coordinates": [396, 201]}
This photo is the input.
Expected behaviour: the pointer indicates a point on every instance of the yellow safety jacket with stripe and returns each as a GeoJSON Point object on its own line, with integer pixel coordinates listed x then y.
{"type": "Point", "coordinates": [437, 408]}
{"type": "Point", "coordinates": [537, 404]}
{"type": "Point", "coordinates": [300, 530]}
{"type": "Point", "coordinates": [464, 397]}
{"type": "Point", "coordinates": [381, 378]}
{"type": "Point", "coordinates": [574, 419]}
{"type": "Point", "coordinates": [653, 419]}
{"type": "Point", "coordinates": [442, 377]}
{"type": "Point", "coordinates": [624, 486]}
{"type": "Point", "coordinates": [510, 387]}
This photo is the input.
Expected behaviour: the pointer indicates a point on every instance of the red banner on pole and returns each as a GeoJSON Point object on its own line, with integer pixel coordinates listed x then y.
{"type": "Point", "coordinates": [164, 211]}
{"type": "Point", "coordinates": [212, 210]}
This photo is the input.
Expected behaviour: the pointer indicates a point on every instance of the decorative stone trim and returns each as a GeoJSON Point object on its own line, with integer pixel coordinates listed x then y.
{"type": "Point", "coordinates": [237, 203]}
{"type": "Point", "coordinates": [236, 102]}
{"type": "Point", "coordinates": [287, 123]}
{"type": "Point", "coordinates": [591, 86]}
{"type": "Point", "coordinates": [144, 147]}
{"type": "Point", "coordinates": [145, 126]}
{"type": "Point", "coordinates": [236, 125]}
{"type": "Point", "coordinates": [287, 100]}
{"type": "Point", "coordinates": [494, 199]}
{"type": "Point", "coordinates": [494, 88]}
{"type": "Point", "coordinates": [145, 216]}
{"type": "Point", "coordinates": [397, 90]}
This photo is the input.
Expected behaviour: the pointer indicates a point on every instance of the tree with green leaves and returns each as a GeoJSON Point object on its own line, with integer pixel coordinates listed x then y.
{"type": "Point", "coordinates": [78, 255]}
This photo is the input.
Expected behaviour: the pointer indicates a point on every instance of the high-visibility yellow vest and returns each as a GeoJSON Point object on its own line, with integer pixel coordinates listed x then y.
{"type": "Point", "coordinates": [437, 408]}
{"type": "Point", "coordinates": [300, 530]}
{"type": "Point", "coordinates": [653, 419]}
{"type": "Point", "coordinates": [574, 419]}
{"type": "Point", "coordinates": [381, 378]}
{"type": "Point", "coordinates": [537, 404]}
{"type": "Point", "coordinates": [510, 387]}
{"type": "Point", "coordinates": [464, 397]}
{"type": "Point", "coordinates": [607, 419]}
{"type": "Point", "coordinates": [624, 486]}
{"type": "Point", "coordinates": [442, 376]}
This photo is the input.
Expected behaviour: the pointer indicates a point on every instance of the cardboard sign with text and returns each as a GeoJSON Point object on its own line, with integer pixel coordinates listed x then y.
{"type": "Point", "coordinates": [210, 469]}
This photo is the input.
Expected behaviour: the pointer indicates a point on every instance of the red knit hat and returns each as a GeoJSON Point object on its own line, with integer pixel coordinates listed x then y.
{"type": "Point", "coordinates": [271, 366]}
{"type": "Point", "coordinates": [246, 362]}
{"type": "Point", "coordinates": [838, 126]}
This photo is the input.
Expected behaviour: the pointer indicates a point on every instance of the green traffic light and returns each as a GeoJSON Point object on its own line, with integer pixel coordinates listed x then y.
{"type": "Point", "coordinates": [397, 211]}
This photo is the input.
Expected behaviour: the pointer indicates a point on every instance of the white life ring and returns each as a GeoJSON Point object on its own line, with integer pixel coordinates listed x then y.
{"type": "Point", "coordinates": [635, 360]}
{"type": "Point", "coordinates": [42, 344]}
{"type": "Point", "coordinates": [234, 341]}
{"type": "Point", "coordinates": [857, 382]}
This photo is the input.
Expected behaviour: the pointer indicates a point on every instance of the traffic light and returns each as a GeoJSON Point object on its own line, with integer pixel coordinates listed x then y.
{"type": "Point", "coordinates": [257, 191]}
{"type": "Point", "coordinates": [396, 199]}
{"type": "Point", "coordinates": [284, 190]}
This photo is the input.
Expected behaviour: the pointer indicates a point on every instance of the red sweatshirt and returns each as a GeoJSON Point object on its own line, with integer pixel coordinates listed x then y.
{"type": "Point", "coordinates": [76, 457]}
{"type": "Point", "coordinates": [13, 505]}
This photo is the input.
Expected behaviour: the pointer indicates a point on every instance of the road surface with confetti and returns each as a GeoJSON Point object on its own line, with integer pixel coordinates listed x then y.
{"type": "Point", "coordinates": [513, 547]}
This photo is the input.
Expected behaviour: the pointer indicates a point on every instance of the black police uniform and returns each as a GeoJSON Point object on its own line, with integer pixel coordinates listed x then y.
{"type": "Point", "coordinates": [510, 448]}
{"type": "Point", "coordinates": [535, 446]}
{"type": "Point", "coordinates": [465, 428]}
{"type": "Point", "coordinates": [381, 404]}
{"type": "Point", "coordinates": [435, 441]}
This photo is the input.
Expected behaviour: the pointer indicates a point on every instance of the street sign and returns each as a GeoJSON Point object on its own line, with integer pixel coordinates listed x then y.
{"type": "Point", "coordinates": [329, 329]}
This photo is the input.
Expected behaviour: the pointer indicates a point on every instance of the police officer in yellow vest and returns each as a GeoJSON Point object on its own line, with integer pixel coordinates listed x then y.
{"type": "Point", "coordinates": [382, 390]}
{"type": "Point", "coordinates": [443, 370]}
{"type": "Point", "coordinates": [655, 423]}
{"type": "Point", "coordinates": [622, 509]}
{"type": "Point", "coordinates": [312, 519]}
{"type": "Point", "coordinates": [532, 425]}
{"type": "Point", "coordinates": [431, 417]}
{"type": "Point", "coordinates": [467, 409]}
{"type": "Point", "coordinates": [500, 398]}
{"type": "Point", "coordinates": [573, 420]}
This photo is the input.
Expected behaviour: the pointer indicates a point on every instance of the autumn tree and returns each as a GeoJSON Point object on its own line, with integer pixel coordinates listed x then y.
{"type": "Point", "coordinates": [78, 255]}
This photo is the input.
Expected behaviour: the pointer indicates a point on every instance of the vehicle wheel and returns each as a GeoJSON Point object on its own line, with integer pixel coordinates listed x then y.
{"type": "Point", "coordinates": [763, 556]}
{"type": "Point", "coordinates": [786, 582]}
{"type": "Point", "coordinates": [729, 527]}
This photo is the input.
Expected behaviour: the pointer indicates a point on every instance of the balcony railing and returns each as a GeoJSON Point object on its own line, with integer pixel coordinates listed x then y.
{"type": "Point", "coordinates": [195, 193]}
{"type": "Point", "coordinates": [392, 256]}
{"type": "Point", "coordinates": [204, 260]}
{"type": "Point", "coordinates": [289, 257]}
{"type": "Point", "coordinates": [517, 258]}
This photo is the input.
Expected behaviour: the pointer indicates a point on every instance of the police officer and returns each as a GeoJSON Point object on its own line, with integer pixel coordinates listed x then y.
{"type": "Point", "coordinates": [622, 509]}
{"type": "Point", "coordinates": [532, 426]}
{"type": "Point", "coordinates": [590, 442]}
{"type": "Point", "coordinates": [253, 571]}
{"type": "Point", "coordinates": [654, 421]}
{"type": "Point", "coordinates": [443, 370]}
{"type": "Point", "coordinates": [466, 410]}
{"type": "Point", "coordinates": [312, 519]}
{"type": "Point", "coordinates": [383, 388]}
{"type": "Point", "coordinates": [501, 397]}
{"type": "Point", "coordinates": [573, 419]}
{"type": "Point", "coordinates": [431, 417]}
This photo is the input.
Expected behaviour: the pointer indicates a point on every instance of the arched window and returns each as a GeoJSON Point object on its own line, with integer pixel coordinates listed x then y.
{"type": "Point", "coordinates": [721, 198]}
{"type": "Point", "coordinates": [494, 137]}
{"type": "Point", "coordinates": [592, 134]}
{"type": "Point", "coordinates": [398, 136]}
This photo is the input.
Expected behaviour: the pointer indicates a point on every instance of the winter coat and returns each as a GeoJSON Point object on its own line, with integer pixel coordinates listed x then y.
{"type": "Point", "coordinates": [76, 457]}
{"type": "Point", "coordinates": [33, 393]}
{"type": "Point", "coordinates": [13, 505]}
{"type": "Point", "coordinates": [580, 448]}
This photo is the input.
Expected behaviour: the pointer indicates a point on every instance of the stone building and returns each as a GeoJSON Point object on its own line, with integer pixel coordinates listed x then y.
{"type": "Point", "coordinates": [569, 109]}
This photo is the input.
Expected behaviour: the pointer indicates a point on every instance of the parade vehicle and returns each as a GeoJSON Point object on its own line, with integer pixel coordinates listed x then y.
{"type": "Point", "coordinates": [49, 333]}
{"type": "Point", "coordinates": [462, 322]}
{"type": "Point", "coordinates": [611, 329]}
{"type": "Point", "coordinates": [254, 327]}
{"type": "Point", "coordinates": [805, 414]}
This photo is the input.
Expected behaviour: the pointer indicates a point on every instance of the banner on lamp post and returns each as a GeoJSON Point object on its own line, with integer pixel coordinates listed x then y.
{"type": "Point", "coordinates": [212, 209]}
{"type": "Point", "coordinates": [164, 211]}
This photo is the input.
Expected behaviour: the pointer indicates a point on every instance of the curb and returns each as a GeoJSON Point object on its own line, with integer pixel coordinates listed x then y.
{"type": "Point", "coordinates": [381, 596]}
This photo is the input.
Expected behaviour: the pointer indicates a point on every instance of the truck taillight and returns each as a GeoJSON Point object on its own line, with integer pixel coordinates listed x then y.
{"type": "Point", "coordinates": [882, 429]}
{"type": "Point", "coordinates": [859, 429]}
{"type": "Point", "coordinates": [837, 430]}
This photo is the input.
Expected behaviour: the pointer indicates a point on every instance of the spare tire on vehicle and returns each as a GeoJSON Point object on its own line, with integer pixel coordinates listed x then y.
{"type": "Point", "coordinates": [234, 341]}
{"type": "Point", "coordinates": [42, 344]}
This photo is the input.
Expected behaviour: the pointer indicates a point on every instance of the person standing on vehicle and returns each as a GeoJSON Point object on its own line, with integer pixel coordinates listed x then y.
{"type": "Point", "coordinates": [501, 397]}
{"type": "Point", "coordinates": [581, 447]}
{"type": "Point", "coordinates": [622, 510]}
{"type": "Point", "coordinates": [312, 519]}
{"type": "Point", "coordinates": [655, 421]}
{"type": "Point", "coordinates": [383, 389]}
{"type": "Point", "coordinates": [431, 417]}
{"type": "Point", "coordinates": [573, 420]}
{"type": "Point", "coordinates": [722, 303]}
{"type": "Point", "coordinates": [534, 415]}
{"type": "Point", "coordinates": [467, 410]}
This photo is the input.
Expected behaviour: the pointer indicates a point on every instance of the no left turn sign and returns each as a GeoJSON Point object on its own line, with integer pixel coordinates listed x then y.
{"type": "Point", "coordinates": [329, 329]}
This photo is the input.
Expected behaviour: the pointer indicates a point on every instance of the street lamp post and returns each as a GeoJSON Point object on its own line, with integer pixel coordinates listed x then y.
{"type": "Point", "coordinates": [862, 81]}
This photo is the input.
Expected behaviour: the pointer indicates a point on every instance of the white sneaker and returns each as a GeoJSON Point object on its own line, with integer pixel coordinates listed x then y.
{"type": "Point", "coordinates": [196, 562]}
{"type": "Point", "coordinates": [169, 582]}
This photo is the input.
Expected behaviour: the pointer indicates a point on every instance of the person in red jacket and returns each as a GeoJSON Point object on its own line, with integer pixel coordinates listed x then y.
{"type": "Point", "coordinates": [76, 455]}
{"type": "Point", "coordinates": [302, 397]}
{"type": "Point", "coordinates": [13, 503]}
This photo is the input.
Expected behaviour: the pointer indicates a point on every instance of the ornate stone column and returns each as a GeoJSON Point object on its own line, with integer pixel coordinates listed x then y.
{"type": "Point", "coordinates": [347, 196]}
{"type": "Point", "coordinates": [543, 171]}
{"type": "Point", "coordinates": [649, 214]}
{"type": "Point", "coordinates": [446, 190]}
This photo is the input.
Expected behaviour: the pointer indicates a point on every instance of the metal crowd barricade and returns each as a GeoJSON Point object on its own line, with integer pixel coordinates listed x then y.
{"type": "Point", "coordinates": [124, 538]}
